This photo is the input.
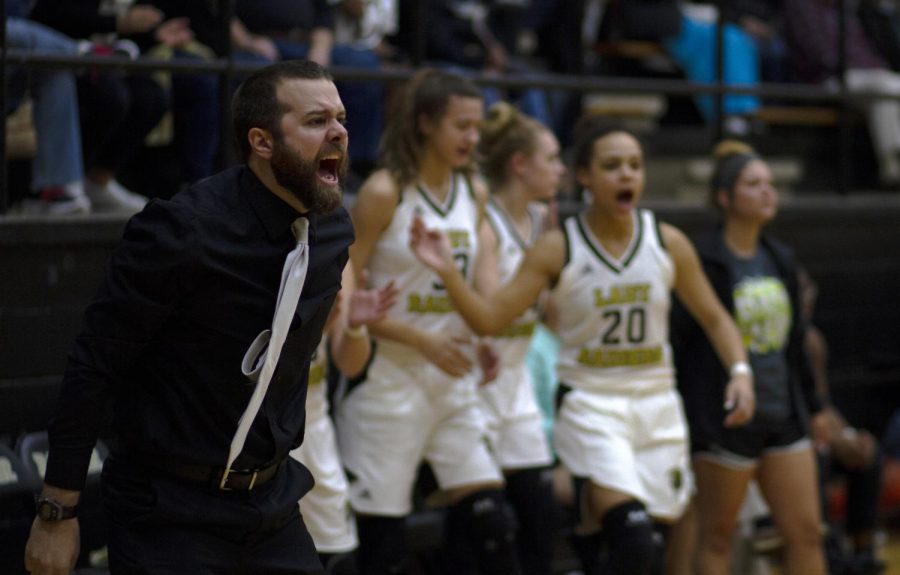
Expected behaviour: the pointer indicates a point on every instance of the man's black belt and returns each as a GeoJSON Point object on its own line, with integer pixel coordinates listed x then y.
{"type": "Point", "coordinates": [217, 478]}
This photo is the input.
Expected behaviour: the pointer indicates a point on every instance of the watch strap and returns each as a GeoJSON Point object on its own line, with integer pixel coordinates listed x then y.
{"type": "Point", "coordinates": [49, 509]}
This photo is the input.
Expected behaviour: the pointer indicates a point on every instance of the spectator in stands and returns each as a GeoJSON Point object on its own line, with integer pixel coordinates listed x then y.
{"type": "Point", "coordinates": [557, 25]}
{"type": "Point", "coordinates": [117, 110]}
{"type": "Point", "coordinates": [187, 31]}
{"type": "Point", "coordinates": [756, 279]}
{"type": "Point", "coordinates": [306, 29]}
{"type": "Point", "coordinates": [843, 451]}
{"type": "Point", "coordinates": [460, 36]}
{"type": "Point", "coordinates": [812, 31]}
{"type": "Point", "coordinates": [694, 48]}
{"type": "Point", "coordinates": [178, 338]}
{"type": "Point", "coordinates": [366, 24]}
{"type": "Point", "coordinates": [57, 171]}
{"type": "Point", "coordinates": [762, 21]}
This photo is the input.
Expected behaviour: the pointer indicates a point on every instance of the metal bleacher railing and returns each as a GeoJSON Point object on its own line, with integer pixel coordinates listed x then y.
{"type": "Point", "coordinates": [228, 68]}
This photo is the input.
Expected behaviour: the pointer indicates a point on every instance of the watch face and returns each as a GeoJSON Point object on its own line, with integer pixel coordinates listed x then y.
{"type": "Point", "coordinates": [48, 510]}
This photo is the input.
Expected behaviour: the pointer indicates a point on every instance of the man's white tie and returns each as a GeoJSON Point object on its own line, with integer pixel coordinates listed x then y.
{"type": "Point", "coordinates": [293, 275]}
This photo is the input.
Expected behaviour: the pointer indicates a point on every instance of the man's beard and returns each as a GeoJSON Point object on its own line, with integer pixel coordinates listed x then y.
{"type": "Point", "coordinates": [299, 177]}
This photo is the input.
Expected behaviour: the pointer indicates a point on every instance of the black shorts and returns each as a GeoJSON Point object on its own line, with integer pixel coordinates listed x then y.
{"type": "Point", "coordinates": [741, 446]}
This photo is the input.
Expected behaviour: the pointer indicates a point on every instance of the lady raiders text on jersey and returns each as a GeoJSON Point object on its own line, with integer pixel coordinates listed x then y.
{"type": "Point", "coordinates": [423, 301]}
{"type": "Point", "coordinates": [614, 312]}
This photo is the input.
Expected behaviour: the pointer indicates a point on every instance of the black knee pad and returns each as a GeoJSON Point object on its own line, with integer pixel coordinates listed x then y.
{"type": "Point", "coordinates": [632, 540]}
{"type": "Point", "coordinates": [382, 545]}
{"type": "Point", "coordinates": [530, 491]}
{"type": "Point", "coordinates": [488, 527]}
{"type": "Point", "coordinates": [587, 549]}
{"type": "Point", "coordinates": [339, 563]}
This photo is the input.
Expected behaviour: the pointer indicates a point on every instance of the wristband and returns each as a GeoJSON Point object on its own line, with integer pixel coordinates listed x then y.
{"type": "Point", "coordinates": [358, 332]}
{"type": "Point", "coordinates": [740, 368]}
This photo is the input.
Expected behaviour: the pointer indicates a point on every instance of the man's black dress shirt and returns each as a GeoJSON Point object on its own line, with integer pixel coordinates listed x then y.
{"type": "Point", "coordinates": [192, 283]}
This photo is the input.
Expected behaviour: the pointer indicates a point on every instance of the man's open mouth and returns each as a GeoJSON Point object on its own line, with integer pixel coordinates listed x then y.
{"type": "Point", "coordinates": [328, 169]}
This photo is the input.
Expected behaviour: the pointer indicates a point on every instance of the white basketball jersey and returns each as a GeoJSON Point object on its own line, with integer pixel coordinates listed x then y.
{"type": "Point", "coordinates": [423, 301]}
{"type": "Point", "coordinates": [512, 343]}
{"type": "Point", "coordinates": [317, 394]}
{"type": "Point", "coordinates": [614, 313]}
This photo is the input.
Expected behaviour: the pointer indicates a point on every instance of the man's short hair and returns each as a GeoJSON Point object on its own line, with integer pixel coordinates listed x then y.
{"type": "Point", "coordinates": [255, 103]}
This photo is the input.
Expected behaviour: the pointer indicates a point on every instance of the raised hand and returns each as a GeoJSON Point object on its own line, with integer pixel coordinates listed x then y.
{"type": "Point", "coordinates": [431, 247]}
{"type": "Point", "coordinates": [138, 19]}
{"type": "Point", "coordinates": [368, 306]}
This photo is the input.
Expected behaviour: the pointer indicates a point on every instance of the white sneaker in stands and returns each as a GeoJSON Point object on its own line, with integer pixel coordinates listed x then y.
{"type": "Point", "coordinates": [113, 198]}
{"type": "Point", "coordinates": [66, 200]}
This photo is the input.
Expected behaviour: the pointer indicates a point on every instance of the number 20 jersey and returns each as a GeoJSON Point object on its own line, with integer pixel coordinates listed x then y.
{"type": "Point", "coordinates": [614, 313]}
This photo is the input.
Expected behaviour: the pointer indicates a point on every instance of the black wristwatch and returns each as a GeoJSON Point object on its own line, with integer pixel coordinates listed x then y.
{"type": "Point", "coordinates": [50, 509]}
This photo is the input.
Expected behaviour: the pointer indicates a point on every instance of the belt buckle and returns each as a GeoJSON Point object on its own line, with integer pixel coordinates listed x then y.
{"type": "Point", "coordinates": [223, 483]}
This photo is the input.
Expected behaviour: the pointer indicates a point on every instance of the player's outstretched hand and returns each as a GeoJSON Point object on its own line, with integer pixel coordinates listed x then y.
{"type": "Point", "coordinates": [431, 247]}
{"type": "Point", "coordinates": [371, 305]}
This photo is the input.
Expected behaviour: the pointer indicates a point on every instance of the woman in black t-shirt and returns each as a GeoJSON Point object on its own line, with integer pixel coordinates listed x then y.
{"type": "Point", "coordinates": [756, 279]}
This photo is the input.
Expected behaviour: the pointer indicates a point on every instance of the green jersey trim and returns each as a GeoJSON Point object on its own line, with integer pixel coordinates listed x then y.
{"type": "Point", "coordinates": [448, 202]}
{"type": "Point", "coordinates": [598, 250]}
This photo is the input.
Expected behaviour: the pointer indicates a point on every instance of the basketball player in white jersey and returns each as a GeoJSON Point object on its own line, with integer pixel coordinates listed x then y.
{"type": "Point", "coordinates": [418, 399]}
{"type": "Point", "coordinates": [521, 160]}
{"type": "Point", "coordinates": [326, 508]}
{"type": "Point", "coordinates": [620, 429]}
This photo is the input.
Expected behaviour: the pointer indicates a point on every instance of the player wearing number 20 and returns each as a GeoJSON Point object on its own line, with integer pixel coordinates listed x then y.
{"type": "Point", "coordinates": [620, 426]}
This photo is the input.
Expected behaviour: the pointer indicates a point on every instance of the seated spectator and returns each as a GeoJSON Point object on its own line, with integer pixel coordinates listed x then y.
{"type": "Point", "coordinates": [762, 21]}
{"type": "Point", "coordinates": [812, 30]}
{"type": "Point", "coordinates": [117, 111]}
{"type": "Point", "coordinates": [306, 29]}
{"type": "Point", "coordinates": [557, 25]}
{"type": "Point", "coordinates": [694, 49]}
{"type": "Point", "coordinates": [191, 128]}
{"type": "Point", "coordinates": [57, 186]}
{"type": "Point", "coordinates": [366, 24]}
{"type": "Point", "coordinates": [461, 37]}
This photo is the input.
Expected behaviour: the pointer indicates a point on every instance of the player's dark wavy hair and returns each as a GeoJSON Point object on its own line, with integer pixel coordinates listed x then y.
{"type": "Point", "coordinates": [426, 95]}
{"type": "Point", "coordinates": [255, 103]}
{"type": "Point", "coordinates": [587, 131]}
